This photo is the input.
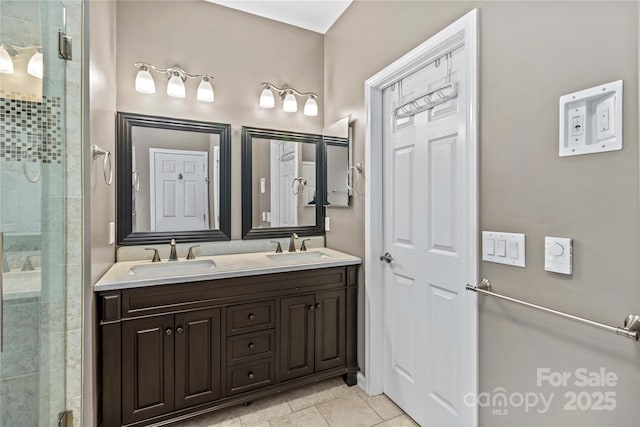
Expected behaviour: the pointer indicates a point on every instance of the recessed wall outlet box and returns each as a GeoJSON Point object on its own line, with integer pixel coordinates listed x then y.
{"type": "Point", "coordinates": [591, 120]}
{"type": "Point", "coordinates": [558, 255]}
{"type": "Point", "coordinates": [503, 248]}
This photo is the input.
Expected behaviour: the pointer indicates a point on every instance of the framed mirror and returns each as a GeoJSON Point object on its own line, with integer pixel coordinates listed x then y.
{"type": "Point", "coordinates": [338, 163]}
{"type": "Point", "coordinates": [282, 184]}
{"type": "Point", "coordinates": [173, 180]}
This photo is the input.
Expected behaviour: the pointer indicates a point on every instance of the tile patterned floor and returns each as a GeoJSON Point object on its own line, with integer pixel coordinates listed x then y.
{"type": "Point", "coordinates": [325, 404]}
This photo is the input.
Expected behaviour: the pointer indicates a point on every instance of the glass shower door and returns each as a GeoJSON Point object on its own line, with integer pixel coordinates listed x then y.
{"type": "Point", "coordinates": [32, 213]}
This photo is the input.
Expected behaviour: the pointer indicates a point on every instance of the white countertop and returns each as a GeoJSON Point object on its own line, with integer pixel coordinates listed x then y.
{"type": "Point", "coordinates": [120, 275]}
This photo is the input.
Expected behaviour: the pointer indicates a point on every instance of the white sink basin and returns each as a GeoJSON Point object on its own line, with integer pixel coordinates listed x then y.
{"type": "Point", "coordinates": [298, 256]}
{"type": "Point", "coordinates": [173, 267]}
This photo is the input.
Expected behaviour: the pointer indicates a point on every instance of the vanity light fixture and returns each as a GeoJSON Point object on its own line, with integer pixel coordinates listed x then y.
{"type": "Point", "coordinates": [289, 101]}
{"type": "Point", "coordinates": [176, 85]}
{"type": "Point", "coordinates": [6, 63]}
{"type": "Point", "coordinates": [35, 67]}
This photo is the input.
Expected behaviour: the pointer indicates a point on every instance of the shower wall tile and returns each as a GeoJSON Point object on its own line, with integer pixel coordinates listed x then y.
{"type": "Point", "coordinates": [22, 10]}
{"type": "Point", "coordinates": [74, 297]}
{"type": "Point", "coordinates": [21, 352]}
{"type": "Point", "coordinates": [19, 401]}
{"type": "Point", "coordinates": [31, 131]}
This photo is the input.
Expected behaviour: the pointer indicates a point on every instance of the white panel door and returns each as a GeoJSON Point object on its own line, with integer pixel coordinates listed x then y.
{"type": "Point", "coordinates": [179, 194]}
{"type": "Point", "coordinates": [425, 177]}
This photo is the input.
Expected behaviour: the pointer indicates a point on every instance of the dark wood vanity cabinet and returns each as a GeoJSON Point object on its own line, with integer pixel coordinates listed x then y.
{"type": "Point", "coordinates": [168, 351]}
{"type": "Point", "coordinates": [312, 333]}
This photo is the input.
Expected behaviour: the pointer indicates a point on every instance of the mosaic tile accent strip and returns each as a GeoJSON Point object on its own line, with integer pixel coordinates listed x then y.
{"type": "Point", "coordinates": [31, 130]}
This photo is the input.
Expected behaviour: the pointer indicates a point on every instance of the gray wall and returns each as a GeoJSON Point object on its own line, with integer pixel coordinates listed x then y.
{"type": "Point", "coordinates": [531, 53]}
{"type": "Point", "coordinates": [239, 49]}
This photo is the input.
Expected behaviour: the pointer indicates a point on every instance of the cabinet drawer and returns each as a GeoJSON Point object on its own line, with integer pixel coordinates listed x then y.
{"type": "Point", "coordinates": [250, 376]}
{"type": "Point", "coordinates": [250, 317]}
{"type": "Point", "coordinates": [248, 347]}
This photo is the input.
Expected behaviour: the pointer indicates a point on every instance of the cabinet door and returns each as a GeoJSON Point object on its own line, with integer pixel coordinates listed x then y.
{"type": "Point", "coordinates": [330, 330]}
{"type": "Point", "coordinates": [198, 347]}
{"type": "Point", "coordinates": [296, 337]}
{"type": "Point", "coordinates": [147, 368]}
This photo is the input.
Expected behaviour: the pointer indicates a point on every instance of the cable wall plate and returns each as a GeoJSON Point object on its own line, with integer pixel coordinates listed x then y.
{"type": "Point", "coordinates": [591, 120]}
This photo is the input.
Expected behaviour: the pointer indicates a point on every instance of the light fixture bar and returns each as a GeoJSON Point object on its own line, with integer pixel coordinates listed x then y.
{"type": "Point", "coordinates": [172, 70]}
{"type": "Point", "coordinates": [285, 89]}
{"type": "Point", "coordinates": [288, 96]}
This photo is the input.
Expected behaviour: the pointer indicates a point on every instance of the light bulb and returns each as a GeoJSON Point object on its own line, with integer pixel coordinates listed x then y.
{"type": "Point", "coordinates": [311, 107]}
{"type": "Point", "coordinates": [6, 63]}
{"type": "Point", "coordinates": [290, 105]}
{"type": "Point", "coordinates": [205, 90]}
{"type": "Point", "coordinates": [144, 81]}
{"type": "Point", "coordinates": [35, 66]}
{"type": "Point", "coordinates": [175, 87]}
{"type": "Point", "coordinates": [266, 98]}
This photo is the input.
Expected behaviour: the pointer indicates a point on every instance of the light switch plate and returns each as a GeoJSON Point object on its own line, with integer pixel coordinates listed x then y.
{"type": "Point", "coordinates": [591, 120]}
{"type": "Point", "coordinates": [558, 254]}
{"type": "Point", "coordinates": [503, 248]}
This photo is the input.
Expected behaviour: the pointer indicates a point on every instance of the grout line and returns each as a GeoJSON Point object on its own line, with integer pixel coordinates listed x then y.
{"type": "Point", "coordinates": [322, 415]}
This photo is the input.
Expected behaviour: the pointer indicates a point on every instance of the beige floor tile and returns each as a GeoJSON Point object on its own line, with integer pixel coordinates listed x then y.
{"type": "Point", "coordinates": [310, 395]}
{"type": "Point", "coordinates": [338, 387]}
{"type": "Point", "coordinates": [382, 405]}
{"type": "Point", "coordinates": [309, 417]}
{"type": "Point", "coordinates": [263, 410]}
{"type": "Point", "coordinates": [401, 421]}
{"type": "Point", "coordinates": [349, 411]}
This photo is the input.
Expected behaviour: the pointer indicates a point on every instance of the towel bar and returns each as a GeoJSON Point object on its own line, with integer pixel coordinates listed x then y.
{"type": "Point", "coordinates": [631, 328]}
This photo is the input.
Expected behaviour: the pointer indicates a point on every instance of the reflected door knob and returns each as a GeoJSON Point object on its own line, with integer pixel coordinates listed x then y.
{"type": "Point", "coordinates": [386, 258]}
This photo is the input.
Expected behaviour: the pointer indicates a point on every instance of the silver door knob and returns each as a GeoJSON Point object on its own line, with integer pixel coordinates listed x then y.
{"type": "Point", "coordinates": [386, 258]}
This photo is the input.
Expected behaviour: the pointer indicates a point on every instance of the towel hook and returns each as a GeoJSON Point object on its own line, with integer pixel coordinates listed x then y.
{"type": "Point", "coordinates": [27, 156]}
{"type": "Point", "coordinates": [106, 162]}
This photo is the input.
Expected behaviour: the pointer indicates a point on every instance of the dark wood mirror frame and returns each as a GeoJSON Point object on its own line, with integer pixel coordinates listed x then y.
{"type": "Point", "coordinates": [248, 232]}
{"type": "Point", "coordinates": [125, 121]}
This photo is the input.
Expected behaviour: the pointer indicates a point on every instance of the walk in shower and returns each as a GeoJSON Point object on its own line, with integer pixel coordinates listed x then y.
{"type": "Point", "coordinates": [33, 213]}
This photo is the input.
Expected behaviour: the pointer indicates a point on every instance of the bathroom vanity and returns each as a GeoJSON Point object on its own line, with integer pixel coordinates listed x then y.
{"type": "Point", "coordinates": [176, 339]}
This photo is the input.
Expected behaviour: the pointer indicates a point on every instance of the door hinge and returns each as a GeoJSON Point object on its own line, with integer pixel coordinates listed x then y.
{"type": "Point", "coordinates": [63, 418]}
{"type": "Point", "coordinates": [64, 46]}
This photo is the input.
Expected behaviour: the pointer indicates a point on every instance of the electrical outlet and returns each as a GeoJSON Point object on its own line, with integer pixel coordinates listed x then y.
{"type": "Point", "coordinates": [605, 118]}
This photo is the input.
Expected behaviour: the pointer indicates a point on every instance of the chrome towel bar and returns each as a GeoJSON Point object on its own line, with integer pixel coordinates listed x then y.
{"type": "Point", "coordinates": [631, 328]}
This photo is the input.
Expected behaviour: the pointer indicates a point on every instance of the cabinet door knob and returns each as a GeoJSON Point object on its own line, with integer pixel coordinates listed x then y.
{"type": "Point", "coordinates": [251, 346]}
{"type": "Point", "coordinates": [312, 307]}
{"type": "Point", "coordinates": [179, 330]}
{"type": "Point", "coordinates": [251, 376]}
{"type": "Point", "coordinates": [168, 331]}
{"type": "Point", "coordinates": [252, 316]}
{"type": "Point", "coordinates": [318, 306]}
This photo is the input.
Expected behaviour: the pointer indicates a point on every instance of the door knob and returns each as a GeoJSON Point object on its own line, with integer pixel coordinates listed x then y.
{"type": "Point", "coordinates": [386, 258]}
{"type": "Point", "coordinates": [251, 346]}
{"type": "Point", "coordinates": [251, 375]}
{"type": "Point", "coordinates": [252, 316]}
{"type": "Point", "coordinates": [168, 331]}
{"type": "Point", "coordinates": [179, 330]}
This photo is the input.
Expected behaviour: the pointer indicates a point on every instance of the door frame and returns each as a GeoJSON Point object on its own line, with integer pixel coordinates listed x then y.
{"type": "Point", "coordinates": [372, 380]}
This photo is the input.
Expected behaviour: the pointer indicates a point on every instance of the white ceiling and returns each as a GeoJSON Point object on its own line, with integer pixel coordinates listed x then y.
{"type": "Point", "coordinates": [314, 15]}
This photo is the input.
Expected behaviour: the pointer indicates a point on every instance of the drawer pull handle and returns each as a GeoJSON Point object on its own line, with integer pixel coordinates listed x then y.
{"type": "Point", "coordinates": [168, 331]}
{"type": "Point", "coordinates": [252, 316]}
{"type": "Point", "coordinates": [179, 330]}
{"type": "Point", "coordinates": [251, 376]}
{"type": "Point", "coordinates": [251, 346]}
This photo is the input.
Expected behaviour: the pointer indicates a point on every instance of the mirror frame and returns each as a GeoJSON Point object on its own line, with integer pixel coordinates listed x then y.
{"type": "Point", "coordinates": [248, 232]}
{"type": "Point", "coordinates": [125, 236]}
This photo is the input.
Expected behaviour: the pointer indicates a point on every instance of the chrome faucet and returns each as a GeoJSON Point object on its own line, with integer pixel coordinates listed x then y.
{"type": "Point", "coordinates": [173, 255]}
{"type": "Point", "coordinates": [191, 255]}
{"type": "Point", "coordinates": [292, 242]}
